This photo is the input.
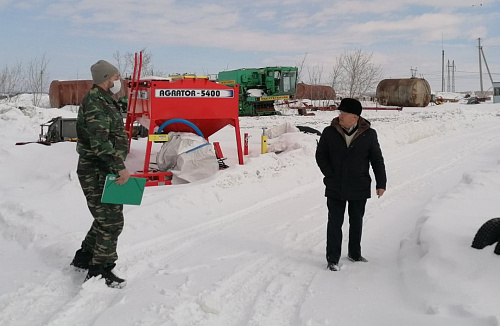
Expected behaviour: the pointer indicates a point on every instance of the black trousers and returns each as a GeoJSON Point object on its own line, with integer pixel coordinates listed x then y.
{"type": "Point", "coordinates": [336, 212]}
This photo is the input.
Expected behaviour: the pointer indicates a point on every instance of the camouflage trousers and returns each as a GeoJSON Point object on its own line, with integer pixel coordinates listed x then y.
{"type": "Point", "coordinates": [102, 238]}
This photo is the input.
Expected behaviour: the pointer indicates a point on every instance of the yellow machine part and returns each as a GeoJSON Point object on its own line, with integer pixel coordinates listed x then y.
{"type": "Point", "coordinates": [158, 137]}
{"type": "Point", "coordinates": [263, 147]}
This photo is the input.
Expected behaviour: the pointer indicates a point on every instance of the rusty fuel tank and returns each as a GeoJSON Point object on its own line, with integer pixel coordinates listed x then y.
{"type": "Point", "coordinates": [71, 92]}
{"type": "Point", "coordinates": [409, 92]}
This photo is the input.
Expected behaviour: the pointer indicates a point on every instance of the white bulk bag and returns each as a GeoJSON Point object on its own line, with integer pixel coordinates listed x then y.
{"type": "Point", "coordinates": [188, 156]}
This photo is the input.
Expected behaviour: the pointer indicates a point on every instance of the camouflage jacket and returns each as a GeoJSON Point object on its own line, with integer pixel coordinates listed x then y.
{"type": "Point", "coordinates": [100, 130]}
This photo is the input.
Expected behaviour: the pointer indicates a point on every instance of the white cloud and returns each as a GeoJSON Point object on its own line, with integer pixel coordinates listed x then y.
{"type": "Point", "coordinates": [426, 27]}
{"type": "Point", "coordinates": [282, 31]}
{"type": "Point", "coordinates": [323, 29]}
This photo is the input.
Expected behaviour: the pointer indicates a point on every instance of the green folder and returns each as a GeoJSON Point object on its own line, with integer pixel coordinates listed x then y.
{"type": "Point", "coordinates": [129, 193]}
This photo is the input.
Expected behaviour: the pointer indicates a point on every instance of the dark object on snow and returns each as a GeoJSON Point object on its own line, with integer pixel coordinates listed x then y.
{"type": "Point", "coordinates": [334, 267]}
{"type": "Point", "coordinates": [59, 129]}
{"type": "Point", "coordinates": [497, 248]}
{"type": "Point", "coordinates": [106, 273]}
{"type": "Point", "coordinates": [222, 165]}
{"type": "Point", "coordinates": [472, 100]}
{"type": "Point", "coordinates": [309, 130]}
{"type": "Point", "coordinates": [82, 259]}
{"type": "Point", "coordinates": [488, 234]}
{"type": "Point", "coordinates": [43, 142]}
{"type": "Point", "coordinates": [359, 259]}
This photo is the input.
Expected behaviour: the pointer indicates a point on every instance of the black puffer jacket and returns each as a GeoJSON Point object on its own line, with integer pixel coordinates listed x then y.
{"type": "Point", "coordinates": [346, 169]}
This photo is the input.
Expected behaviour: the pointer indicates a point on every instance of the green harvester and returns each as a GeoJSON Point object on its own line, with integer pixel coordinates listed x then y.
{"type": "Point", "coordinates": [260, 87]}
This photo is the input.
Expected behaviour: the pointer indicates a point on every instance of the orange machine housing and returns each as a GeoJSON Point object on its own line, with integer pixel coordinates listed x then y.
{"type": "Point", "coordinates": [207, 105]}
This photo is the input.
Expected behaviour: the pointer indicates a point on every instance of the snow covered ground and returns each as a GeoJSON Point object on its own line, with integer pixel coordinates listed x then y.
{"type": "Point", "coordinates": [247, 246]}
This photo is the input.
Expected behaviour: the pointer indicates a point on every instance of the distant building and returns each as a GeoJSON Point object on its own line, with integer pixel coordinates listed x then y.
{"type": "Point", "coordinates": [496, 92]}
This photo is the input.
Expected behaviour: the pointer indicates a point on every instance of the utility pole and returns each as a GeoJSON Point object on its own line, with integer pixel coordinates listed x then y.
{"type": "Point", "coordinates": [442, 72]}
{"type": "Point", "coordinates": [480, 68]}
{"type": "Point", "coordinates": [453, 76]}
{"type": "Point", "coordinates": [413, 72]}
{"type": "Point", "coordinates": [486, 64]}
{"type": "Point", "coordinates": [448, 89]}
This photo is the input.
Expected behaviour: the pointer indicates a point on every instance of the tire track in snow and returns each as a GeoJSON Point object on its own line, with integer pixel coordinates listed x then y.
{"type": "Point", "coordinates": [267, 289]}
{"type": "Point", "coordinates": [285, 280]}
{"type": "Point", "coordinates": [87, 305]}
{"type": "Point", "coordinates": [43, 299]}
{"type": "Point", "coordinates": [53, 290]}
{"type": "Point", "coordinates": [169, 248]}
{"type": "Point", "coordinates": [176, 244]}
{"type": "Point", "coordinates": [268, 292]}
{"type": "Point", "coordinates": [66, 294]}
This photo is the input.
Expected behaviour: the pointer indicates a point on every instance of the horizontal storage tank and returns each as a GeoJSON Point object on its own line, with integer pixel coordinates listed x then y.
{"type": "Point", "coordinates": [410, 92]}
{"type": "Point", "coordinates": [71, 92]}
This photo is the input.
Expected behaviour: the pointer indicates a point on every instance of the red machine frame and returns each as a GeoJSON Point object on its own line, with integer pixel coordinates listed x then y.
{"type": "Point", "coordinates": [205, 104]}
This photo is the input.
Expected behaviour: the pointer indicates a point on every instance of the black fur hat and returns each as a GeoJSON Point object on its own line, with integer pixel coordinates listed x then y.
{"type": "Point", "coordinates": [350, 105]}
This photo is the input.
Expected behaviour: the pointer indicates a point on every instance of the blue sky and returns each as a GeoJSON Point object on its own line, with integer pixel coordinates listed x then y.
{"type": "Point", "coordinates": [205, 37]}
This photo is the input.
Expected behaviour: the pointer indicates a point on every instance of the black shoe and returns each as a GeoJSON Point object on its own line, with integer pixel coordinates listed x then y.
{"type": "Point", "coordinates": [360, 258]}
{"type": "Point", "coordinates": [334, 267]}
{"type": "Point", "coordinates": [82, 259]}
{"type": "Point", "coordinates": [106, 273]}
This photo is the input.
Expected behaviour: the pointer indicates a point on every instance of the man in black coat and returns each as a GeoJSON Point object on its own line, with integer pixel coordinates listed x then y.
{"type": "Point", "coordinates": [345, 151]}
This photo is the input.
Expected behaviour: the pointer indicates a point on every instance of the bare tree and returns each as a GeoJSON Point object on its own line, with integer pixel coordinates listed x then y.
{"type": "Point", "coordinates": [301, 68]}
{"type": "Point", "coordinates": [315, 74]}
{"type": "Point", "coordinates": [122, 63]}
{"type": "Point", "coordinates": [11, 79]}
{"type": "Point", "coordinates": [315, 77]}
{"type": "Point", "coordinates": [336, 76]}
{"type": "Point", "coordinates": [354, 73]}
{"type": "Point", "coordinates": [126, 63]}
{"type": "Point", "coordinates": [37, 78]}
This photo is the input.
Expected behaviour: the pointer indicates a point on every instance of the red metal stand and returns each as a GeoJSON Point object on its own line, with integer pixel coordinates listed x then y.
{"type": "Point", "coordinates": [207, 105]}
{"type": "Point", "coordinates": [218, 150]}
{"type": "Point", "coordinates": [132, 98]}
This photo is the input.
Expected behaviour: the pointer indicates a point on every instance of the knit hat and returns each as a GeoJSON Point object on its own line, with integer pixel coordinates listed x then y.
{"type": "Point", "coordinates": [102, 71]}
{"type": "Point", "coordinates": [350, 105]}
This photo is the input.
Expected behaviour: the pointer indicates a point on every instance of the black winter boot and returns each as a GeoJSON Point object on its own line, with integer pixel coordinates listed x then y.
{"type": "Point", "coordinates": [355, 259]}
{"type": "Point", "coordinates": [82, 259]}
{"type": "Point", "coordinates": [105, 272]}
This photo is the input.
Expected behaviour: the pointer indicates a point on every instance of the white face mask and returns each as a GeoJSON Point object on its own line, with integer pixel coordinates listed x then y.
{"type": "Point", "coordinates": [117, 85]}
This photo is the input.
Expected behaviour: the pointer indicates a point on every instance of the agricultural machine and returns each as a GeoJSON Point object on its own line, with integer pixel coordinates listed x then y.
{"type": "Point", "coordinates": [184, 104]}
{"type": "Point", "coordinates": [260, 87]}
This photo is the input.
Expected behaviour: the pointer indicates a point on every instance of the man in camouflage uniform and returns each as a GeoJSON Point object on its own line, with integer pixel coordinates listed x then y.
{"type": "Point", "coordinates": [102, 146]}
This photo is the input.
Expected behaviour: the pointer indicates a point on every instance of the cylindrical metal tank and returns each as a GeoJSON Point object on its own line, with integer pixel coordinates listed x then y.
{"type": "Point", "coordinates": [71, 92]}
{"type": "Point", "coordinates": [410, 92]}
